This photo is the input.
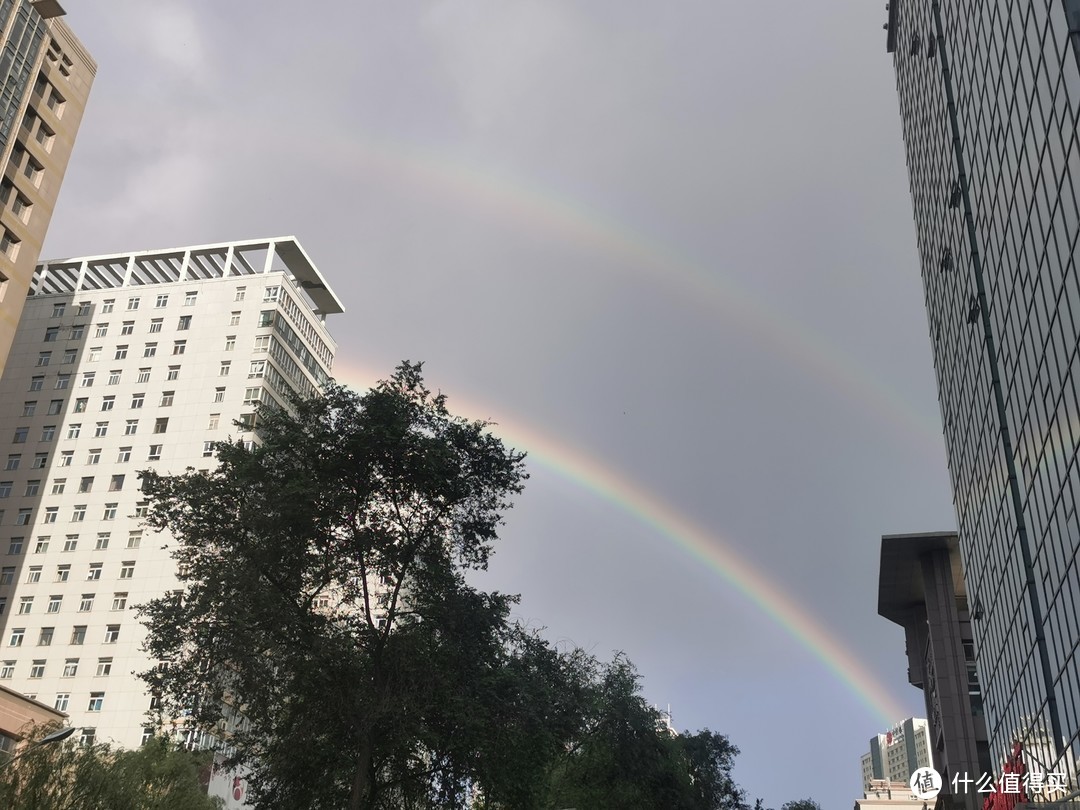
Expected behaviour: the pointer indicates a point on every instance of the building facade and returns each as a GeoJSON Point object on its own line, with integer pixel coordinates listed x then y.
{"type": "Point", "coordinates": [123, 363]}
{"type": "Point", "coordinates": [989, 95]}
{"type": "Point", "coordinates": [896, 754]}
{"type": "Point", "coordinates": [45, 78]}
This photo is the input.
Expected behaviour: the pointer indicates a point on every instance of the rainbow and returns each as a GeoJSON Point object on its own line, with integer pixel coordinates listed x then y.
{"type": "Point", "coordinates": [703, 546]}
{"type": "Point", "coordinates": [534, 208]}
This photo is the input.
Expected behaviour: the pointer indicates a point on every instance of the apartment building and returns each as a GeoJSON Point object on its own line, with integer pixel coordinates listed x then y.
{"type": "Point", "coordinates": [123, 363]}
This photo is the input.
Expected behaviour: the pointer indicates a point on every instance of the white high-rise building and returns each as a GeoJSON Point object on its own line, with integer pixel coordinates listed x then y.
{"type": "Point", "coordinates": [898, 753]}
{"type": "Point", "coordinates": [122, 363]}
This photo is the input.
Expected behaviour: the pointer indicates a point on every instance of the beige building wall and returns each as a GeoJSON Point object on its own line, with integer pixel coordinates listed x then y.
{"type": "Point", "coordinates": [36, 156]}
{"type": "Point", "coordinates": [18, 714]}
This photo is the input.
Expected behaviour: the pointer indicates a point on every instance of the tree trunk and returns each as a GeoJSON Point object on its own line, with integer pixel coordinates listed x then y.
{"type": "Point", "coordinates": [362, 782]}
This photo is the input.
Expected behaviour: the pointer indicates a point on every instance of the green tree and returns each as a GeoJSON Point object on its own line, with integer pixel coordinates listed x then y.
{"type": "Point", "coordinates": [324, 597]}
{"type": "Point", "coordinates": [626, 756]}
{"type": "Point", "coordinates": [801, 804]}
{"type": "Point", "coordinates": [68, 776]}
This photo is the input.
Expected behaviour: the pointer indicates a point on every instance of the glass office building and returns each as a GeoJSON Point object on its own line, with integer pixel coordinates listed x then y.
{"type": "Point", "coordinates": [989, 95]}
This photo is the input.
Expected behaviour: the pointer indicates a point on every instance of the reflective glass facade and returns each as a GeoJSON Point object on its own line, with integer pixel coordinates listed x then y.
{"type": "Point", "coordinates": [989, 94]}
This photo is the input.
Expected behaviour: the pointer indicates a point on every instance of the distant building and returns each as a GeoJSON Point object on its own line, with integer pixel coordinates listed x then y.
{"type": "Point", "coordinates": [921, 588]}
{"type": "Point", "coordinates": [897, 753]}
{"type": "Point", "coordinates": [45, 78]}
{"type": "Point", "coordinates": [885, 794]}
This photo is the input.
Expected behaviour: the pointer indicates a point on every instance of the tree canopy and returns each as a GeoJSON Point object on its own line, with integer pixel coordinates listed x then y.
{"type": "Point", "coordinates": [69, 776]}
{"type": "Point", "coordinates": [327, 629]}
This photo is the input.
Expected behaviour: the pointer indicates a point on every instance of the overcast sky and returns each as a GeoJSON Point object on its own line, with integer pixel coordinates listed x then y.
{"type": "Point", "coordinates": [667, 246]}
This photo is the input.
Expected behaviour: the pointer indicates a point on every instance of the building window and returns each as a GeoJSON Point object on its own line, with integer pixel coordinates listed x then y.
{"type": "Point", "coordinates": [52, 334]}
{"type": "Point", "coordinates": [107, 305]}
{"type": "Point", "coordinates": [62, 382]}
{"type": "Point", "coordinates": [240, 293]}
{"type": "Point", "coordinates": [55, 406]}
{"type": "Point", "coordinates": [71, 542]}
{"type": "Point", "coordinates": [224, 370]}
{"type": "Point", "coordinates": [23, 518]}
{"type": "Point", "coordinates": [137, 400]}
{"type": "Point", "coordinates": [34, 574]}
{"type": "Point", "coordinates": [94, 355]}
{"type": "Point", "coordinates": [262, 343]}
{"type": "Point", "coordinates": [5, 488]}
{"type": "Point", "coordinates": [43, 359]}
{"type": "Point", "coordinates": [130, 426]}
{"type": "Point", "coordinates": [114, 377]}
{"type": "Point", "coordinates": [62, 573]}
{"type": "Point", "coordinates": [20, 435]}
{"type": "Point", "coordinates": [116, 483]}
{"type": "Point", "coordinates": [119, 601]}
{"type": "Point", "coordinates": [40, 460]}
{"type": "Point", "coordinates": [104, 667]}
{"type": "Point", "coordinates": [179, 346]}
{"type": "Point", "coordinates": [13, 461]}
{"type": "Point", "coordinates": [66, 457]}
{"type": "Point", "coordinates": [32, 488]}
{"type": "Point", "coordinates": [77, 331]}
{"type": "Point", "coordinates": [62, 699]}
{"type": "Point", "coordinates": [127, 570]}
{"type": "Point", "coordinates": [234, 319]}
{"type": "Point", "coordinates": [101, 330]}
{"type": "Point", "coordinates": [256, 369]}
{"type": "Point", "coordinates": [219, 395]}
{"type": "Point", "coordinates": [155, 453]}
{"type": "Point", "coordinates": [71, 666]}
{"type": "Point", "coordinates": [190, 297]}
{"type": "Point", "coordinates": [185, 323]}
{"type": "Point", "coordinates": [45, 637]}
{"type": "Point", "coordinates": [79, 513]}
{"type": "Point", "coordinates": [162, 300]}
{"type": "Point", "coordinates": [230, 343]}
{"type": "Point", "coordinates": [87, 737]}
{"type": "Point", "coordinates": [87, 379]}
{"type": "Point", "coordinates": [134, 539]}
{"type": "Point", "coordinates": [86, 604]}
{"type": "Point", "coordinates": [7, 575]}
{"type": "Point", "coordinates": [161, 424]}
{"type": "Point", "coordinates": [121, 353]}
{"type": "Point", "coordinates": [48, 433]}
{"type": "Point", "coordinates": [156, 324]}
{"type": "Point", "coordinates": [133, 303]}
{"type": "Point", "coordinates": [81, 403]}
{"type": "Point", "coordinates": [29, 408]}
{"type": "Point", "coordinates": [271, 294]}
{"type": "Point", "coordinates": [215, 418]}
{"type": "Point", "coordinates": [37, 669]}
{"type": "Point", "coordinates": [36, 383]}
{"type": "Point", "coordinates": [17, 636]}
{"type": "Point", "coordinates": [107, 403]}
{"type": "Point", "coordinates": [112, 633]}
{"type": "Point", "coordinates": [142, 508]}
{"type": "Point", "coordinates": [150, 350]}
{"type": "Point", "coordinates": [78, 633]}
{"type": "Point", "coordinates": [54, 603]}
{"type": "Point", "coordinates": [51, 513]}
{"type": "Point", "coordinates": [26, 604]}
{"type": "Point", "coordinates": [124, 455]}
{"type": "Point", "coordinates": [7, 670]}
{"type": "Point", "coordinates": [95, 571]}
{"type": "Point", "coordinates": [74, 430]}
{"type": "Point", "coordinates": [102, 541]}
{"type": "Point", "coordinates": [94, 456]}
{"type": "Point", "coordinates": [14, 548]}
{"type": "Point", "coordinates": [69, 356]}
{"type": "Point", "coordinates": [58, 310]}
{"type": "Point", "coordinates": [101, 429]}
{"type": "Point", "coordinates": [167, 398]}
{"type": "Point", "coordinates": [266, 318]}
{"type": "Point", "coordinates": [110, 512]}
{"type": "Point", "coordinates": [144, 375]}
{"type": "Point", "coordinates": [42, 545]}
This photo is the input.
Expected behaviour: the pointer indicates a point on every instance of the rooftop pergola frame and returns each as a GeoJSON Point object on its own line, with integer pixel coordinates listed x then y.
{"type": "Point", "coordinates": [189, 264]}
